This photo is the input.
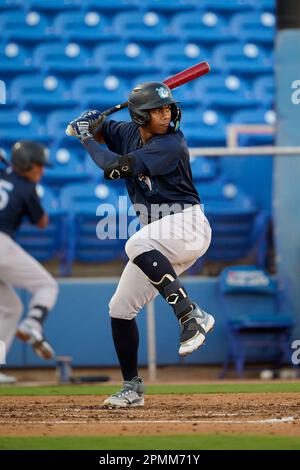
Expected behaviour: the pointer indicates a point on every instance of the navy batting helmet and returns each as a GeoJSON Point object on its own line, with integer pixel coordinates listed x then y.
{"type": "Point", "coordinates": [148, 96]}
{"type": "Point", "coordinates": [27, 153]}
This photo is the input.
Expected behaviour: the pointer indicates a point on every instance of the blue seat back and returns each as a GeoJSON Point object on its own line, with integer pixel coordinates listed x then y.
{"type": "Point", "coordinates": [31, 88]}
{"type": "Point", "coordinates": [58, 121]}
{"type": "Point", "coordinates": [68, 167]}
{"type": "Point", "coordinates": [203, 169]}
{"type": "Point", "coordinates": [198, 25]}
{"type": "Point", "coordinates": [233, 55]}
{"type": "Point", "coordinates": [255, 291]}
{"type": "Point", "coordinates": [57, 54]}
{"type": "Point", "coordinates": [13, 55]}
{"type": "Point", "coordinates": [179, 55]}
{"type": "Point", "coordinates": [90, 205]}
{"type": "Point", "coordinates": [208, 87]}
{"type": "Point", "coordinates": [16, 125]}
{"type": "Point", "coordinates": [15, 22]}
{"type": "Point", "coordinates": [111, 6]}
{"type": "Point", "coordinates": [264, 89]}
{"type": "Point", "coordinates": [108, 54]}
{"type": "Point", "coordinates": [99, 88]}
{"type": "Point", "coordinates": [81, 199]}
{"type": "Point", "coordinates": [70, 22]}
{"type": "Point", "coordinates": [255, 26]}
{"type": "Point", "coordinates": [255, 116]}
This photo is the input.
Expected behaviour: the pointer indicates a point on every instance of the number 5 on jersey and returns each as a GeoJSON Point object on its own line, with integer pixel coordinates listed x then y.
{"type": "Point", "coordinates": [5, 187]}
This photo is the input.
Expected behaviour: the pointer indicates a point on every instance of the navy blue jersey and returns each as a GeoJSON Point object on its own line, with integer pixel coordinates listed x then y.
{"type": "Point", "coordinates": [18, 198]}
{"type": "Point", "coordinates": [163, 162]}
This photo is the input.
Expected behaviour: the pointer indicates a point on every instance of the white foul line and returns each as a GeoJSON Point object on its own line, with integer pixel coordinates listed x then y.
{"type": "Point", "coordinates": [287, 419]}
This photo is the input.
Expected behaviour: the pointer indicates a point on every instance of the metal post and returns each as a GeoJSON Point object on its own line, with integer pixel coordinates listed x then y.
{"type": "Point", "coordinates": [152, 370]}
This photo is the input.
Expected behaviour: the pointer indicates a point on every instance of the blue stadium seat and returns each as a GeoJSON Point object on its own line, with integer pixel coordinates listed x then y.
{"type": "Point", "coordinates": [56, 125]}
{"type": "Point", "coordinates": [84, 244]}
{"type": "Point", "coordinates": [14, 60]}
{"type": "Point", "coordinates": [45, 244]}
{"type": "Point", "coordinates": [172, 58]}
{"type": "Point", "coordinates": [112, 6]}
{"type": "Point", "coordinates": [203, 169]}
{"type": "Point", "coordinates": [238, 225]}
{"type": "Point", "coordinates": [203, 128]}
{"type": "Point", "coordinates": [96, 91]}
{"type": "Point", "coordinates": [90, 27]}
{"type": "Point", "coordinates": [65, 59]}
{"type": "Point", "coordinates": [258, 27]}
{"type": "Point", "coordinates": [228, 7]}
{"type": "Point", "coordinates": [225, 93]}
{"type": "Point", "coordinates": [167, 7]}
{"type": "Point", "coordinates": [206, 27]}
{"type": "Point", "coordinates": [216, 191]}
{"type": "Point", "coordinates": [268, 5]}
{"type": "Point", "coordinates": [32, 27]}
{"type": "Point", "coordinates": [246, 60]}
{"type": "Point", "coordinates": [256, 116]}
{"type": "Point", "coordinates": [264, 322]}
{"type": "Point", "coordinates": [144, 28]}
{"type": "Point", "coordinates": [68, 167]}
{"type": "Point", "coordinates": [51, 6]}
{"type": "Point", "coordinates": [126, 60]}
{"type": "Point", "coordinates": [15, 125]}
{"type": "Point", "coordinates": [264, 90]}
{"type": "Point", "coordinates": [40, 92]}
{"type": "Point", "coordinates": [6, 5]}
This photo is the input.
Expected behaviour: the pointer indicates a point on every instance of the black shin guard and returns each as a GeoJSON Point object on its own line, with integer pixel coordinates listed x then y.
{"type": "Point", "coordinates": [126, 340]}
{"type": "Point", "coordinates": [162, 276]}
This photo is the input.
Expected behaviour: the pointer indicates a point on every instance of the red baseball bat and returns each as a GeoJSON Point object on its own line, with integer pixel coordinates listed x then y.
{"type": "Point", "coordinates": [174, 81]}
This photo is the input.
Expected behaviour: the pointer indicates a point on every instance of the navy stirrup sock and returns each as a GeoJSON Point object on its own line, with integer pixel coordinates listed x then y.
{"type": "Point", "coordinates": [126, 340]}
{"type": "Point", "coordinates": [162, 276]}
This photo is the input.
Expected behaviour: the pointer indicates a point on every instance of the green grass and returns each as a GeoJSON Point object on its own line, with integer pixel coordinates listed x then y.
{"type": "Point", "coordinates": [239, 387]}
{"type": "Point", "coordinates": [194, 442]}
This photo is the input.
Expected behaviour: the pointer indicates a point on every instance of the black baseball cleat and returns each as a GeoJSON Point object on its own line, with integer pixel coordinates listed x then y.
{"type": "Point", "coordinates": [193, 328]}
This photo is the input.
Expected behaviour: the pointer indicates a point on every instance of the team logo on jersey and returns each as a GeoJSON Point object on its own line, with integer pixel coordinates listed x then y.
{"type": "Point", "coordinates": [146, 180]}
{"type": "Point", "coordinates": [162, 92]}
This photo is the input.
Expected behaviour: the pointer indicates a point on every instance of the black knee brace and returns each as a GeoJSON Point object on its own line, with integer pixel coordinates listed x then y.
{"type": "Point", "coordinates": [162, 276]}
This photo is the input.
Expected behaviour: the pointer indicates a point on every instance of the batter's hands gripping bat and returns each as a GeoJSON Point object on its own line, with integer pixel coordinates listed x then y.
{"type": "Point", "coordinates": [175, 81]}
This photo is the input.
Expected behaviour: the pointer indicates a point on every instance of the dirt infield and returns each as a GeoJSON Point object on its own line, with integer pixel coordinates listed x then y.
{"type": "Point", "coordinates": [245, 413]}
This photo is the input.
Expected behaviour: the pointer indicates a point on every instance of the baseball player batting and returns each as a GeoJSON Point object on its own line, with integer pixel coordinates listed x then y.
{"type": "Point", "coordinates": [19, 198]}
{"type": "Point", "coordinates": [152, 155]}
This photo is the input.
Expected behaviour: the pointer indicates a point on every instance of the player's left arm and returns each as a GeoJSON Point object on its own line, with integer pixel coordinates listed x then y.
{"type": "Point", "coordinates": [160, 157]}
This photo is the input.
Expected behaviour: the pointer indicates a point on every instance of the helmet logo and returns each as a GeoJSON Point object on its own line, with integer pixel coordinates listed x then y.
{"type": "Point", "coordinates": [162, 92]}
